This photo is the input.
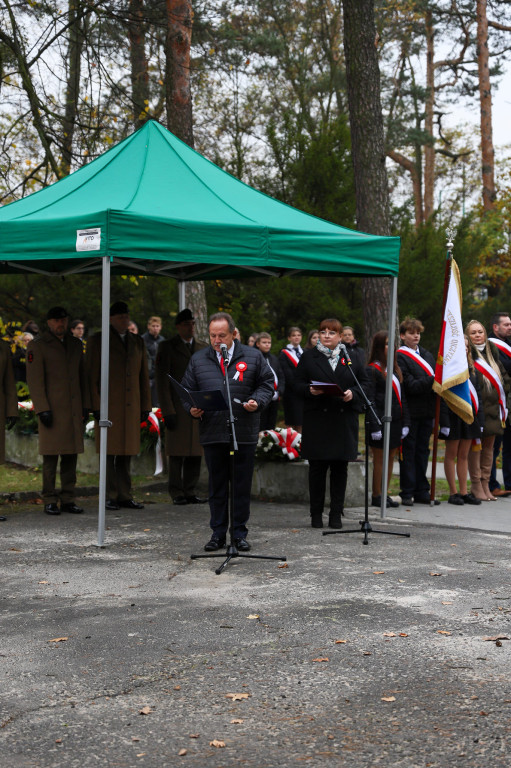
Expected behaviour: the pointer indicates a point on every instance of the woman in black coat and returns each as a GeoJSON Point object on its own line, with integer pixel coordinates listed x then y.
{"type": "Point", "coordinates": [330, 420]}
{"type": "Point", "coordinates": [400, 424]}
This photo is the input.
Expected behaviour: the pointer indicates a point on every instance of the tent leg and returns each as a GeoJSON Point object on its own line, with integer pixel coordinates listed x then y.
{"type": "Point", "coordinates": [181, 294]}
{"type": "Point", "coordinates": [388, 396]}
{"type": "Point", "coordinates": [103, 409]}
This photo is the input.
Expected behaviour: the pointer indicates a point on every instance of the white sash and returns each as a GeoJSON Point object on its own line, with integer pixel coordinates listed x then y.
{"type": "Point", "coordinates": [417, 359]}
{"type": "Point", "coordinates": [502, 345]}
{"type": "Point", "coordinates": [487, 371]}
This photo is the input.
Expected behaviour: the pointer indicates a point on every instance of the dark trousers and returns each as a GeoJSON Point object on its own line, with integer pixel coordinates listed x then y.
{"type": "Point", "coordinates": [184, 474]}
{"type": "Point", "coordinates": [414, 464]}
{"type": "Point", "coordinates": [318, 470]}
{"type": "Point", "coordinates": [118, 478]}
{"type": "Point", "coordinates": [504, 441]}
{"type": "Point", "coordinates": [269, 416]}
{"type": "Point", "coordinates": [67, 478]}
{"type": "Point", "coordinates": [218, 463]}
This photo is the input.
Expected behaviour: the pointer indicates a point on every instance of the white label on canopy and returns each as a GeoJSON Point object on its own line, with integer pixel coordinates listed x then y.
{"type": "Point", "coordinates": [88, 239]}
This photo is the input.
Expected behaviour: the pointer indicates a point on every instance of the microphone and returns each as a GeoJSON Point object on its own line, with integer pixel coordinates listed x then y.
{"type": "Point", "coordinates": [224, 353]}
{"type": "Point", "coordinates": [344, 351]}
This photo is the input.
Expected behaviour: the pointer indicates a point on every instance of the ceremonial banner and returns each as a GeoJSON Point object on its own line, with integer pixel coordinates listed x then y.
{"type": "Point", "coordinates": [451, 371]}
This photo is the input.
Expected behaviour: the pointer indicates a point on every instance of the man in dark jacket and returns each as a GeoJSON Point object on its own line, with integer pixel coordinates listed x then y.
{"type": "Point", "coordinates": [182, 444]}
{"type": "Point", "coordinates": [500, 333]}
{"type": "Point", "coordinates": [251, 389]}
{"type": "Point", "coordinates": [418, 368]}
{"type": "Point", "coordinates": [269, 415]}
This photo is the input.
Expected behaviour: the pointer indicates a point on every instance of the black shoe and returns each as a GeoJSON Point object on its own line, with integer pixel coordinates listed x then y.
{"type": "Point", "coordinates": [130, 504]}
{"type": "Point", "coordinates": [195, 500]}
{"type": "Point", "coordinates": [112, 505]}
{"type": "Point", "coordinates": [2, 519]}
{"type": "Point", "coordinates": [71, 507]}
{"type": "Point", "coordinates": [317, 520]}
{"type": "Point", "coordinates": [242, 545]}
{"type": "Point", "coordinates": [334, 520]}
{"type": "Point", "coordinates": [391, 502]}
{"type": "Point", "coordinates": [52, 509]}
{"type": "Point", "coordinates": [407, 501]}
{"type": "Point", "coordinates": [457, 499]}
{"type": "Point", "coordinates": [215, 543]}
{"type": "Point", "coordinates": [469, 498]}
{"type": "Point", "coordinates": [180, 500]}
{"type": "Point", "coordinates": [376, 501]}
{"type": "Point", "coordinates": [425, 500]}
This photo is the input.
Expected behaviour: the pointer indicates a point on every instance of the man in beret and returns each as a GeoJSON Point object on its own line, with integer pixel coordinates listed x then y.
{"type": "Point", "coordinates": [58, 388]}
{"type": "Point", "coordinates": [129, 402]}
{"type": "Point", "coordinates": [8, 398]}
{"type": "Point", "coordinates": [182, 444]}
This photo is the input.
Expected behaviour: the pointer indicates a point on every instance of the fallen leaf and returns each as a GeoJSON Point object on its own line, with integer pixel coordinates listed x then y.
{"type": "Point", "coordinates": [340, 641]}
{"type": "Point", "coordinates": [295, 530]}
{"type": "Point", "coordinates": [389, 634]}
{"type": "Point", "coordinates": [366, 653]}
{"type": "Point", "coordinates": [498, 643]}
{"type": "Point", "coordinates": [58, 639]}
{"type": "Point", "coordinates": [147, 529]}
{"type": "Point", "coordinates": [43, 582]}
{"type": "Point", "coordinates": [13, 549]}
{"type": "Point", "coordinates": [182, 752]}
{"type": "Point", "coordinates": [135, 738]}
{"type": "Point", "coordinates": [403, 634]}
{"type": "Point", "coordinates": [194, 735]}
{"type": "Point", "coordinates": [237, 696]}
{"type": "Point", "coordinates": [58, 741]}
{"type": "Point", "coordinates": [483, 713]}
{"type": "Point", "coordinates": [377, 573]}
{"type": "Point", "coordinates": [443, 632]}
{"type": "Point", "coordinates": [434, 573]}
{"type": "Point", "coordinates": [283, 565]}
{"type": "Point", "coordinates": [177, 687]}
{"type": "Point", "coordinates": [322, 658]}
{"type": "Point", "coordinates": [388, 698]}
{"type": "Point", "coordinates": [497, 637]}
{"type": "Point", "coordinates": [446, 602]}
{"type": "Point", "coordinates": [141, 754]}
{"type": "Point", "coordinates": [217, 743]}
{"type": "Point", "coordinates": [145, 711]}
{"type": "Point", "coordinates": [253, 616]}
{"type": "Point", "coordinates": [237, 721]}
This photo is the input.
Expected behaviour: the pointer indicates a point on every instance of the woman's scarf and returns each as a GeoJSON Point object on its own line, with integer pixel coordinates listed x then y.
{"type": "Point", "coordinates": [332, 354]}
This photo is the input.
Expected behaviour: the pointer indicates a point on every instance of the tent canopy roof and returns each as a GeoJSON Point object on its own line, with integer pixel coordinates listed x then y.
{"type": "Point", "coordinates": [162, 208]}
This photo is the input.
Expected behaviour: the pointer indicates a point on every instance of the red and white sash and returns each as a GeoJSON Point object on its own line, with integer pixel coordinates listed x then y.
{"type": "Point", "coordinates": [473, 397]}
{"type": "Point", "coordinates": [404, 350]}
{"type": "Point", "coordinates": [290, 357]}
{"type": "Point", "coordinates": [396, 384]}
{"type": "Point", "coordinates": [488, 372]}
{"type": "Point", "coordinates": [502, 345]}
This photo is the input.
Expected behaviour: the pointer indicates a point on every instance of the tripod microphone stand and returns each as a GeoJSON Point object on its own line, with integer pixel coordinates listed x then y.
{"type": "Point", "coordinates": [232, 549]}
{"type": "Point", "coordinates": [365, 525]}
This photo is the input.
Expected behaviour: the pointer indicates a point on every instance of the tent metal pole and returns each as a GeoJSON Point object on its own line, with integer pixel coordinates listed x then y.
{"type": "Point", "coordinates": [103, 408]}
{"type": "Point", "coordinates": [388, 395]}
{"type": "Point", "coordinates": [181, 294]}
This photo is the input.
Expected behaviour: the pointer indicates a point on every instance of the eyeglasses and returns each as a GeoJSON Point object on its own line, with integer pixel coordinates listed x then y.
{"type": "Point", "coordinates": [328, 333]}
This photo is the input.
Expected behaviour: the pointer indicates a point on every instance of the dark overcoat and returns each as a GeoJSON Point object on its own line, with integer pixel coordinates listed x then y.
{"type": "Point", "coordinates": [172, 358]}
{"type": "Point", "coordinates": [291, 399]}
{"type": "Point", "coordinates": [8, 399]}
{"type": "Point", "coordinates": [57, 382]}
{"type": "Point", "coordinates": [330, 426]}
{"type": "Point", "coordinates": [128, 389]}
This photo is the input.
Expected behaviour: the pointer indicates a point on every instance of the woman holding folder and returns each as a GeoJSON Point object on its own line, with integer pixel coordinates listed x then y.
{"type": "Point", "coordinates": [332, 403]}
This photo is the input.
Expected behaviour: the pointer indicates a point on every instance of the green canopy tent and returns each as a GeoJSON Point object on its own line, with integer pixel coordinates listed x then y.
{"type": "Point", "coordinates": [152, 205]}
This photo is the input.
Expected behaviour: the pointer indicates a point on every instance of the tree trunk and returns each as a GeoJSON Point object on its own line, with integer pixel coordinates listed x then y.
{"type": "Point", "coordinates": [429, 148]}
{"type": "Point", "coordinates": [487, 151]}
{"type": "Point", "coordinates": [177, 84]}
{"type": "Point", "coordinates": [74, 54]}
{"type": "Point", "coordinates": [139, 63]}
{"type": "Point", "coordinates": [368, 150]}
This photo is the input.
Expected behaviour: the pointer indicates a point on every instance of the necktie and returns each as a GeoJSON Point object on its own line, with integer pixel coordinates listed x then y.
{"type": "Point", "coordinates": [298, 353]}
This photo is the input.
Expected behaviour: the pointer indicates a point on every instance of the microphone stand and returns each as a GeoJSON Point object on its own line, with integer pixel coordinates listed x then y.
{"type": "Point", "coordinates": [232, 549]}
{"type": "Point", "coordinates": [365, 525]}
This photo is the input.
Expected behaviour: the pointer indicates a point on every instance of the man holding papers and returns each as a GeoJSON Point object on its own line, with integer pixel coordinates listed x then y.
{"type": "Point", "coordinates": [251, 389]}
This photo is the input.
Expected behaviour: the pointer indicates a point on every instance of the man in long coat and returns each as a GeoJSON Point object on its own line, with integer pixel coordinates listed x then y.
{"type": "Point", "coordinates": [58, 388]}
{"type": "Point", "coordinates": [8, 399]}
{"type": "Point", "coordinates": [182, 444]}
{"type": "Point", "coordinates": [129, 402]}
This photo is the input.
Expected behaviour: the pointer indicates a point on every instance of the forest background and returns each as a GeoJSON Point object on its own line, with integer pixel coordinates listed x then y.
{"type": "Point", "coordinates": [261, 89]}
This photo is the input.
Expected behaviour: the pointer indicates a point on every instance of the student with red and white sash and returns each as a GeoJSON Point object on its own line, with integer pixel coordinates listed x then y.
{"type": "Point", "coordinates": [460, 437]}
{"type": "Point", "coordinates": [288, 359]}
{"type": "Point", "coordinates": [270, 413]}
{"type": "Point", "coordinates": [500, 333]}
{"type": "Point", "coordinates": [495, 386]}
{"type": "Point", "coordinates": [418, 368]}
{"type": "Point", "coordinates": [400, 424]}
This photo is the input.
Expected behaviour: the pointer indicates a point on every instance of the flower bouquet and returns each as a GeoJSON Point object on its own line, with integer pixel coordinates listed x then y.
{"type": "Point", "coordinates": [279, 445]}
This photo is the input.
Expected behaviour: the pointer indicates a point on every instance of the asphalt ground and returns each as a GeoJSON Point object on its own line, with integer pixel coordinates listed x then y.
{"type": "Point", "coordinates": [344, 655]}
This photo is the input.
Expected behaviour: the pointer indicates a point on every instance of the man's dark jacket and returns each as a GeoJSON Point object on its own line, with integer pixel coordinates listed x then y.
{"type": "Point", "coordinates": [255, 383]}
